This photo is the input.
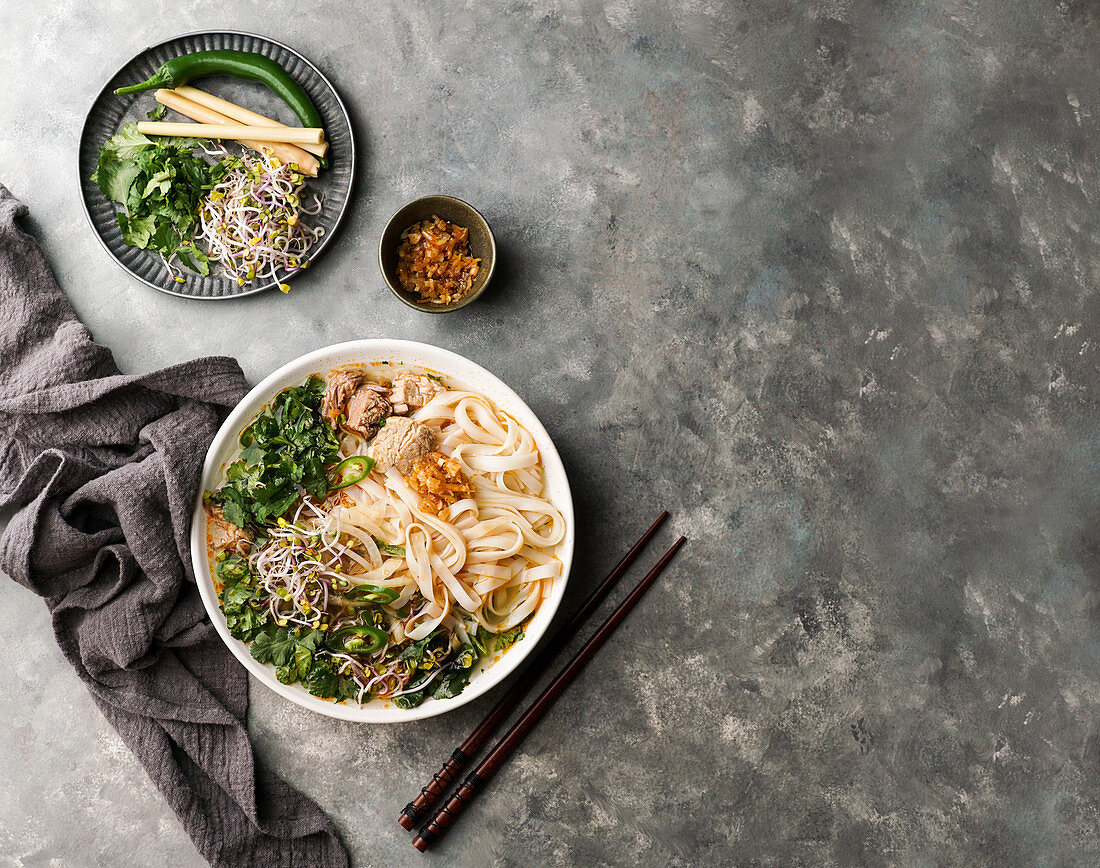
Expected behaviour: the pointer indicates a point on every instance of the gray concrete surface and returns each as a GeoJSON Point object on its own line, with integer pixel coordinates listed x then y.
{"type": "Point", "coordinates": [817, 277]}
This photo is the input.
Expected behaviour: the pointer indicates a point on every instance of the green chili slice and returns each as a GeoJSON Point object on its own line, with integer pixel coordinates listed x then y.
{"type": "Point", "coordinates": [350, 471]}
{"type": "Point", "coordinates": [372, 594]}
{"type": "Point", "coordinates": [387, 549]}
{"type": "Point", "coordinates": [354, 640]}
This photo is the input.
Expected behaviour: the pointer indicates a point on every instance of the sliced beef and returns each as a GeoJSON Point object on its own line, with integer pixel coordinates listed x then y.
{"type": "Point", "coordinates": [223, 536]}
{"type": "Point", "coordinates": [367, 408]}
{"type": "Point", "coordinates": [340, 387]}
{"type": "Point", "coordinates": [412, 391]}
{"type": "Point", "coordinates": [401, 443]}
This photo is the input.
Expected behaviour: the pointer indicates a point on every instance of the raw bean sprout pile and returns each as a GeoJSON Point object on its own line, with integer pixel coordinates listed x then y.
{"type": "Point", "coordinates": [251, 222]}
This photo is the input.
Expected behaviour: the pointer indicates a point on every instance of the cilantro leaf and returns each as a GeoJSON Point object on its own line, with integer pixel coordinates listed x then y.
{"type": "Point", "coordinates": [414, 653]}
{"type": "Point", "coordinates": [246, 624]}
{"type": "Point", "coordinates": [284, 450]}
{"type": "Point", "coordinates": [410, 700]}
{"type": "Point", "coordinates": [451, 683]}
{"type": "Point", "coordinates": [322, 680]}
{"type": "Point", "coordinates": [160, 184]}
{"type": "Point", "coordinates": [509, 638]}
{"type": "Point", "coordinates": [482, 640]}
{"type": "Point", "coordinates": [297, 668]}
{"type": "Point", "coordinates": [235, 599]}
{"type": "Point", "coordinates": [273, 646]}
{"type": "Point", "coordinates": [232, 569]}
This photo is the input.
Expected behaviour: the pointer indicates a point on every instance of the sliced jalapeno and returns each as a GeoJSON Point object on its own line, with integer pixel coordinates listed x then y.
{"type": "Point", "coordinates": [372, 594]}
{"type": "Point", "coordinates": [353, 640]}
{"type": "Point", "coordinates": [350, 471]}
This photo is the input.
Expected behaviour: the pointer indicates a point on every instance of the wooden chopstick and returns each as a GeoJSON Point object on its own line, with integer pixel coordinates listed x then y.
{"type": "Point", "coordinates": [418, 808]}
{"type": "Point", "coordinates": [476, 780]}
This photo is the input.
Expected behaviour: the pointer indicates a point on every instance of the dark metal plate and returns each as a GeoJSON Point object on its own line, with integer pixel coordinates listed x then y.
{"type": "Point", "coordinates": [109, 113]}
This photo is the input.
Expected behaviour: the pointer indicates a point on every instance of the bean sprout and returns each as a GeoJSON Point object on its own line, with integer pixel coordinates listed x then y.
{"type": "Point", "coordinates": [299, 570]}
{"type": "Point", "coordinates": [251, 222]}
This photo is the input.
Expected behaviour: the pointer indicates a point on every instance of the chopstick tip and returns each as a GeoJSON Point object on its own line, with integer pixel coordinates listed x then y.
{"type": "Point", "coordinates": [420, 844]}
{"type": "Point", "coordinates": [405, 822]}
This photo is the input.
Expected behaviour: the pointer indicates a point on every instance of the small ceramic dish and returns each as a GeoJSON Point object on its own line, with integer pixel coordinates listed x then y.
{"type": "Point", "coordinates": [482, 245]}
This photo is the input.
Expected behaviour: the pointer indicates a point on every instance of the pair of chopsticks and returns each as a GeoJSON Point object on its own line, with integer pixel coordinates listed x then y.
{"type": "Point", "coordinates": [476, 780]}
{"type": "Point", "coordinates": [220, 119]}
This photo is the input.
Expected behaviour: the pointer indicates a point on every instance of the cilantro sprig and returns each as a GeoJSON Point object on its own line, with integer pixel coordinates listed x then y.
{"type": "Point", "coordinates": [285, 449]}
{"type": "Point", "coordinates": [160, 183]}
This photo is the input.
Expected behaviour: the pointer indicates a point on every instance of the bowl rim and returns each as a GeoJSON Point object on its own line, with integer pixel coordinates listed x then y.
{"type": "Point", "coordinates": [465, 300]}
{"type": "Point", "coordinates": [413, 353]}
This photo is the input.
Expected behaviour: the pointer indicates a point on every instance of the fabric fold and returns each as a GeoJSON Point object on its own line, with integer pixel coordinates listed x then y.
{"type": "Point", "coordinates": [100, 470]}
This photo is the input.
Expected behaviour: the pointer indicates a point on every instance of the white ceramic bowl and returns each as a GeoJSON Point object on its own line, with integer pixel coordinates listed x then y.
{"type": "Point", "coordinates": [402, 355]}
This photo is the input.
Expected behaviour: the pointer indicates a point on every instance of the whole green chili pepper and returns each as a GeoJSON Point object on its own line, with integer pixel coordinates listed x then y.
{"type": "Point", "coordinates": [240, 64]}
{"type": "Point", "coordinates": [354, 639]}
{"type": "Point", "coordinates": [350, 471]}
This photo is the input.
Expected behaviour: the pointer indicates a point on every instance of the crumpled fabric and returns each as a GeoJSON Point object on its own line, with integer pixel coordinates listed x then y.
{"type": "Point", "coordinates": [101, 471]}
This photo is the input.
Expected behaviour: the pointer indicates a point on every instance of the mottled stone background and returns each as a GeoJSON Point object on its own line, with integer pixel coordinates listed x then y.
{"type": "Point", "coordinates": [818, 278]}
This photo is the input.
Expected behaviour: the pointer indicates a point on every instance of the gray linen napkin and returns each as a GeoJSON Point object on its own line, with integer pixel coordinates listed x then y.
{"type": "Point", "coordinates": [101, 471]}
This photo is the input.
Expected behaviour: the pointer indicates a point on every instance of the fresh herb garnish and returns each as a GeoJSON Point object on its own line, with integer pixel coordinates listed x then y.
{"type": "Point", "coordinates": [322, 680]}
{"type": "Point", "coordinates": [447, 683]}
{"type": "Point", "coordinates": [410, 700]}
{"type": "Point", "coordinates": [243, 615]}
{"type": "Point", "coordinates": [287, 446]}
{"type": "Point", "coordinates": [450, 683]}
{"type": "Point", "coordinates": [482, 640]}
{"type": "Point", "coordinates": [509, 638]}
{"type": "Point", "coordinates": [160, 184]}
{"type": "Point", "coordinates": [232, 569]}
{"type": "Point", "coordinates": [414, 653]}
{"type": "Point", "coordinates": [466, 656]}
{"type": "Point", "coordinates": [274, 645]}
{"type": "Point", "coordinates": [300, 661]}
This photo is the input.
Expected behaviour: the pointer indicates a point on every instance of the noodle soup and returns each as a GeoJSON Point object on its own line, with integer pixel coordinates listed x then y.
{"type": "Point", "coordinates": [379, 538]}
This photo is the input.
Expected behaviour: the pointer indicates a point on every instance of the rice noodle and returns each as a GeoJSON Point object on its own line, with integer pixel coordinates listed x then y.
{"type": "Point", "coordinates": [492, 562]}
